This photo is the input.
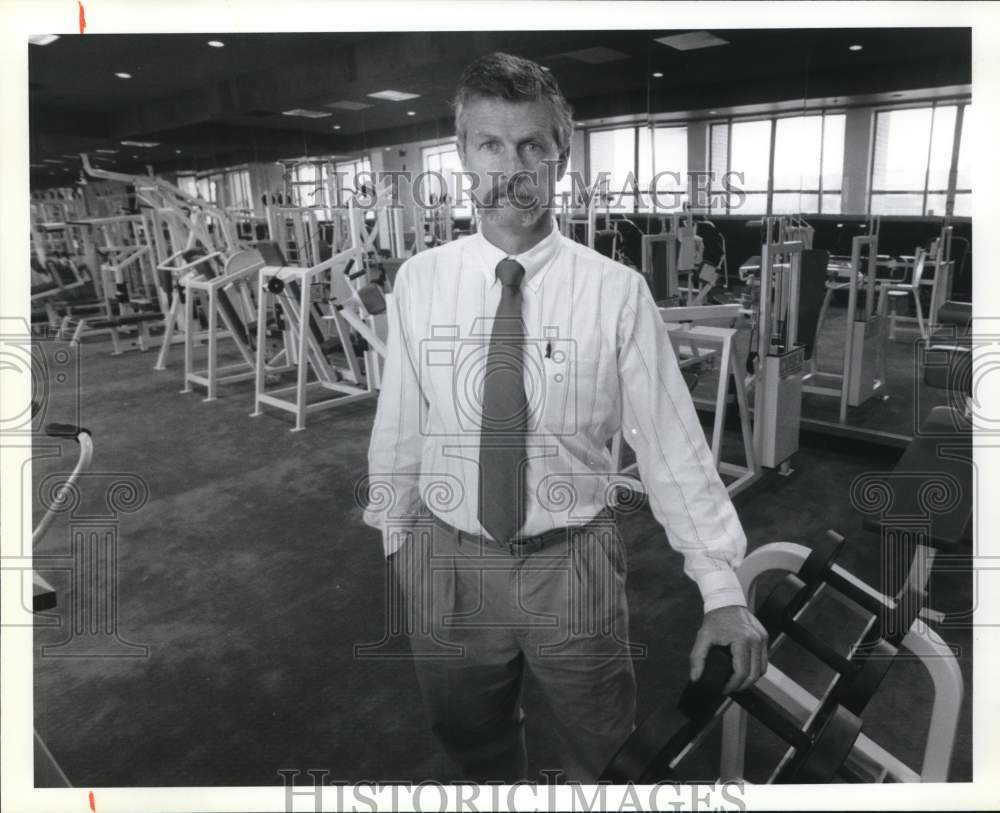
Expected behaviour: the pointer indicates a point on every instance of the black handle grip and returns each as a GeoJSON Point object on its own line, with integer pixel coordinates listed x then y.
{"type": "Point", "coordinates": [64, 430]}
{"type": "Point", "coordinates": [701, 699]}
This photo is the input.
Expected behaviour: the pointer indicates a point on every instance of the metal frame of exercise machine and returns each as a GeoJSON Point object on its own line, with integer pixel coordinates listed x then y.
{"type": "Point", "coordinates": [291, 288]}
{"type": "Point", "coordinates": [862, 376]}
{"type": "Point", "coordinates": [125, 273]}
{"type": "Point", "coordinates": [938, 259]}
{"type": "Point", "coordinates": [174, 224]}
{"type": "Point", "coordinates": [867, 759]}
{"type": "Point", "coordinates": [697, 341]}
{"type": "Point", "coordinates": [228, 295]}
{"type": "Point", "coordinates": [777, 379]}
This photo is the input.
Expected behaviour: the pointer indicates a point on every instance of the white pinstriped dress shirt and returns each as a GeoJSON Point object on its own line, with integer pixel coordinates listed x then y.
{"type": "Point", "coordinates": [598, 358]}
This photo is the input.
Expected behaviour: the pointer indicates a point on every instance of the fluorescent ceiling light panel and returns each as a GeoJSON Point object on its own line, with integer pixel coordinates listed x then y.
{"type": "Point", "coordinates": [348, 105]}
{"type": "Point", "coordinates": [306, 114]}
{"type": "Point", "coordinates": [108, 152]}
{"type": "Point", "coordinates": [394, 95]}
{"type": "Point", "coordinates": [596, 56]}
{"type": "Point", "coordinates": [692, 41]}
{"type": "Point", "coordinates": [139, 143]}
{"type": "Point", "coordinates": [42, 39]}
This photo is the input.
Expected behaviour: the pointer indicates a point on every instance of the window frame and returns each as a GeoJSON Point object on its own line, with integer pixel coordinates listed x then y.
{"type": "Point", "coordinates": [819, 191]}
{"type": "Point", "coordinates": [961, 103]}
{"type": "Point", "coordinates": [636, 155]}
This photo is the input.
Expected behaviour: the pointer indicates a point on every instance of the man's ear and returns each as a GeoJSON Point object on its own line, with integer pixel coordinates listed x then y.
{"type": "Point", "coordinates": [563, 164]}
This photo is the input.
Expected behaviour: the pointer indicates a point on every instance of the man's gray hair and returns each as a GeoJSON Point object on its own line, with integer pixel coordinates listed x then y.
{"type": "Point", "coordinates": [504, 76]}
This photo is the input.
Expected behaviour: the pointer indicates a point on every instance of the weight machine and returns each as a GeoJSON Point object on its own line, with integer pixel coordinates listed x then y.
{"type": "Point", "coordinates": [175, 227]}
{"type": "Point", "coordinates": [228, 296]}
{"type": "Point", "coordinates": [580, 222]}
{"type": "Point", "coordinates": [126, 284]}
{"type": "Point", "coordinates": [705, 334]}
{"type": "Point", "coordinates": [701, 336]}
{"type": "Point", "coordinates": [820, 738]}
{"type": "Point", "coordinates": [336, 291]}
{"type": "Point", "coordinates": [679, 251]}
{"type": "Point", "coordinates": [937, 259]}
{"type": "Point", "coordinates": [777, 356]}
{"type": "Point", "coordinates": [862, 375]}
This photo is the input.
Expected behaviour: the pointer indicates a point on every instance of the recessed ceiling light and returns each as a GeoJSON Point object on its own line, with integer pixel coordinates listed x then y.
{"type": "Point", "coordinates": [146, 144]}
{"type": "Point", "coordinates": [596, 56]}
{"type": "Point", "coordinates": [393, 95]}
{"type": "Point", "coordinates": [135, 156]}
{"type": "Point", "coordinates": [855, 47]}
{"type": "Point", "coordinates": [42, 39]}
{"type": "Point", "coordinates": [692, 41]}
{"type": "Point", "coordinates": [336, 126]}
{"type": "Point", "coordinates": [306, 114]}
{"type": "Point", "coordinates": [107, 152]}
{"type": "Point", "coordinates": [657, 75]}
{"type": "Point", "coordinates": [217, 43]}
{"type": "Point", "coordinates": [411, 112]}
{"type": "Point", "coordinates": [123, 75]}
{"type": "Point", "coordinates": [177, 151]}
{"type": "Point", "coordinates": [345, 104]}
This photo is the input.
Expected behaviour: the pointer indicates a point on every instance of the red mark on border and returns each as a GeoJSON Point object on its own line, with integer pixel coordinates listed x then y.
{"type": "Point", "coordinates": [92, 807]}
{"type": "Point", "coordinates": [83, 25]}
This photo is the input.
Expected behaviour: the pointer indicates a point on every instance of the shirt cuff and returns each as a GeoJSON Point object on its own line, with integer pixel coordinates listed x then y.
{"type": "Point", "coordinates": [721, 588]}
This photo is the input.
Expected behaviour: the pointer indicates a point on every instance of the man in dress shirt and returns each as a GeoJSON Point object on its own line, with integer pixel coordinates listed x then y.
{"type": "Point", "coordinates": [514, 356]}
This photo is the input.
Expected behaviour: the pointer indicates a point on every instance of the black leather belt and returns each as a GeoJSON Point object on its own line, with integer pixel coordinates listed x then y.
{"type": "Point", "coordinates": [523, 545]}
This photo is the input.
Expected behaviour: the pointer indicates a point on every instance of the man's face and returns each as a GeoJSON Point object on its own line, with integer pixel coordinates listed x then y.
{"type": "Point", "coordinates": [511, 150]}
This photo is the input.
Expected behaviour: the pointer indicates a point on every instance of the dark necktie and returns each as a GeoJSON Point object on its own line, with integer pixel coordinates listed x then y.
{"type": "Point", "coordinates": [502, 456]}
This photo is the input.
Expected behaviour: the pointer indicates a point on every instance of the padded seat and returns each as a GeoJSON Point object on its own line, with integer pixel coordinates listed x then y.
{"type": "Point", "coordinates": [942, 450]}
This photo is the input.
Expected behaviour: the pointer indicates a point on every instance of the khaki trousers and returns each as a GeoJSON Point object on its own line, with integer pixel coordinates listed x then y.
{"type": "Point", "coordinates": [477, 617]}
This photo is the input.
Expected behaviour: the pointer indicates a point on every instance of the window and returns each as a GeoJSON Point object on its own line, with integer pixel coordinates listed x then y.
{"type": "Point", "coordinates": [188, 184]}
{"type": "Point", "coordinates": [441, 163]}
{"type": "Point", "coordinates": [912, 162]}
{"type": "Point", "coordinates": [963, 174]}
{"type": "Point", "coordinates": [805, 175]}
{"type": "Point", "coordinates": [306, 185]}
{"type": "Point", "coordinates": [238, 189]}
{"type": "Point", "coordinates": [663, 168]}
{"type": "Point", "coordinates": [209, 186]}
{"type": "Point", "coordinates": [346, 179]}
{"type": "Point", "coordinates": [638, 161]}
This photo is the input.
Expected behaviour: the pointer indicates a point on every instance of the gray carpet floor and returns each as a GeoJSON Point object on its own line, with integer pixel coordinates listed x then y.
{"type": "Point", "coordinates": [245, 569]}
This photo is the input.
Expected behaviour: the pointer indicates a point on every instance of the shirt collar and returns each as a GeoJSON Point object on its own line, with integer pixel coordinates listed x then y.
{"type": "Point", "coordinates": [535, 260]}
